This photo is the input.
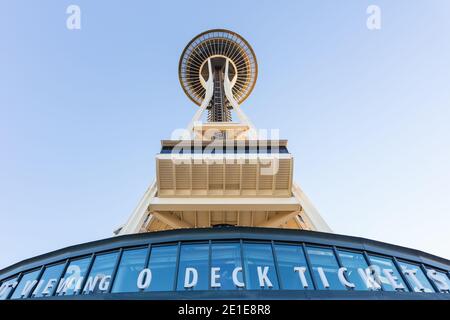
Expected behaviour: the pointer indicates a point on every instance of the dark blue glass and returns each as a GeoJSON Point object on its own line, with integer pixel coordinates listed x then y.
{"type": "Point", "coordinates": [48, 282]}
{"type": "Point", "coordinates": [99, 278]}
{"type": "Point", "coordinates": [227, 257]}
{"type": "Point", "coordinates": [163, 266]}
{"type": "Point", "coordinates": [324, 258]}
{"type": "Point", "coordinates": [259, 266]}
{"type": "Point", "coordinates": [354, 261]}
{"type": "Point", "coordinates": [194, 257]}
{"type": "Point", "coordinates": [26, 285]}
{"type": "Point", "coordinates": [289, 259]}
{"type": "Point", "coordinates": [416, 277]}
{"type": "Point", "coordinates": [166, 150]}
{"type": "Point", "coordinates": [131, 264]}
{"type": "Point", "coordinates": [71, 282]}
{"type": "Point", "coordinates": [382, 266]}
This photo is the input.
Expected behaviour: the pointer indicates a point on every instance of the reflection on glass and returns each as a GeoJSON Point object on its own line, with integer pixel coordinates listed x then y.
{"type": "Point", "coordinates": [325, 268]}
{"type": "Point", "coordinates": [227, 257]}
{"type": "Point", "coordinates": [26, 284]}
{"type": "Point", "coordinates": [387, 274]}
{"type": "Point", "coordinates": [259, 267]}
{"type": "Point", "coordinates": [72, 280]}
{"type": "Point", "coordinates": [131, 264]}
{"type": "Point", "coordinates": [293, 268]}
{"type": "Point", "coordinates": [415, 277]}
{"type": "Point", "coordinates": [162, 264]}
{"type": "Point", "coordinates": [193, 270]}
{"type": "Point", "coordinates": [440, 279]}
{"type": "Point", "coordinates": [6, 287]}
{"type": "Point", "coordinates": [47, 284]}
{"type": "Point", "coordinates": [353, 261]}
{"type": "Point", "coordinates": [99, 278]}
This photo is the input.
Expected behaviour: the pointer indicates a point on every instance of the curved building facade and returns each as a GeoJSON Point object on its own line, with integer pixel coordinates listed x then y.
{"type": "Point", "coordinates": [230, 263]}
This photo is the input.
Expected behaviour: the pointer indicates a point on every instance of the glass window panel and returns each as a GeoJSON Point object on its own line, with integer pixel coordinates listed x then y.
{"type": "Point", "coordinates": [324, 258]}
{"type": "Point", "coordinates": [163, 266]}
{"type": "Point", "coordinates": [416, 277]}
{"type": "Point", "coordinates": [381, 266]}
{"type": "Point", "coordinates": [194, 260]}
{"type": "Point", "coordinates": [259, 267]}
{"type": "Point", "coordinates": [99, 278]}
{"type": "Point", "coordinates": [354, 261]}
{"type": "Point", "coordinates": [6, 287]}
{"type": "Point", "coordinates": [72, 280]}
{"type": "Point", "coordinates": [47, 284]}
{"type": "Point", "coordinates": [131, 264]}
{"type": "Point", "coordinates": [26, 284]}
{"type": "Point", "coordinates": [443, 276]}
{"type": "Point", "coordinates": [290, 257]}
{"type": "Point", "coordinates": [227, 257]}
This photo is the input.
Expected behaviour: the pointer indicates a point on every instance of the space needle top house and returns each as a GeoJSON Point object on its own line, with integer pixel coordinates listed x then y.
{"type": "Point", "coordinates": [224, 219]}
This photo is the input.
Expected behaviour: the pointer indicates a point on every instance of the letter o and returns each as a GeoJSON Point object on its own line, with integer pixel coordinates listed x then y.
{"type": "Point", "coordinates": [144, 279]}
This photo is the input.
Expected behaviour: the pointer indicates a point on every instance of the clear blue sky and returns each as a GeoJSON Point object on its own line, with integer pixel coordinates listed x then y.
{"type": "Point", "coordinates": [82, 112]}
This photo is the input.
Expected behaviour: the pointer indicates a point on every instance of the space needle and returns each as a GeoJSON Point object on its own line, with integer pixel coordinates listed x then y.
{"type": "Point", "coordinates": [224, 219]}
{"type": "Point", "coordinates": [218, 71]}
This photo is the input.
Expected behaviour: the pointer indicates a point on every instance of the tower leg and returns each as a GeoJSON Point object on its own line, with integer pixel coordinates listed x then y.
{"type": "Point", "coordinates": [309, 212]}
{"type": "Point", "coordinates": [228, 85]}
{"type": "Point", "coordinates": [209, 86]}
{"type": "Point", "coordinates": [140, 214]}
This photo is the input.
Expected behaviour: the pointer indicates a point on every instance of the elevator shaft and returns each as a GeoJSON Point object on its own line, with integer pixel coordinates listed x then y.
{"type": "Point", "coordinates": [218, 110]}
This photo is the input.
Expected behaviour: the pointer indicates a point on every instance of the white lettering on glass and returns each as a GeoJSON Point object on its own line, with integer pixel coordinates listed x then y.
{"type": "Point", "coordinates": [48, 287]}
{"type": "Point", "coordinates": [104, 283]}
{"type": "Point", "coordinates": [412, 275]}
{"type": "Point", "coordinates": [236, 281]}
{"type": "Point", "coordinates": [214, 277]}
{"type": "Point", "coordinates": [27, 288]}
{"type": "Point", "coordinates": [301, 273]}
{"type": "Point", "coordinates": [393, 280]}
{"type": "Point", "coordinates": [65, 284]}
{"type": "Point", "coordinates": [91, 283]}
{"type": "Point", "coordinates": [144, 279]}
{"type": "Point", "coordinates": [438, 280]}
{"type": "Point", "coordinates": [263, 278]}
{"type": "Point", "coordinates": [188, 282]}
{"type": "Point", "coordinates": [38, 287]}
{"type": "Point", "coordinates": [343, 279]}
{"type": "Point", "coordinates": [323, 277]}
{"type": "Point", "coordinates": [369, 279]}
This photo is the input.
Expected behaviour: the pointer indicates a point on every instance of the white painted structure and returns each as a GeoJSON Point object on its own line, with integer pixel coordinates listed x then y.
{"type": "Point", "coordinates": [224, 187]}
